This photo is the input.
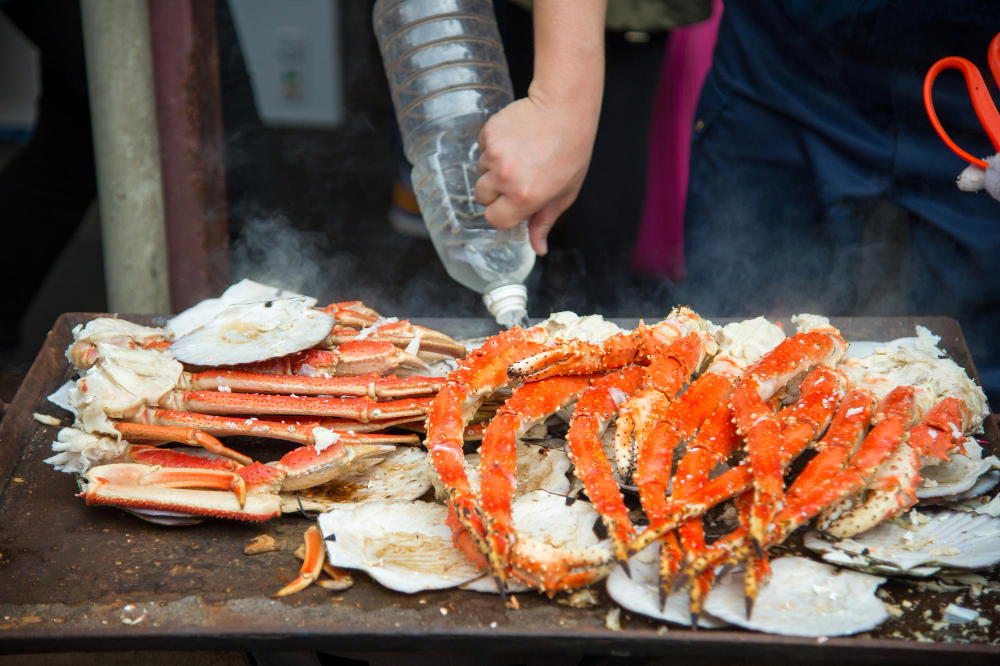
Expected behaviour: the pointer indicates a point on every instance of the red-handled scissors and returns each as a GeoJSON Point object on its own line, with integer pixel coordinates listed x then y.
{"type": "Point", "coordinates": [982, 103]}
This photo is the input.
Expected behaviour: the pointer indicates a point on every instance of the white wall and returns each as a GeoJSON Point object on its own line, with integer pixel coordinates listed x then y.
{"type": "Point", "coordinates": [292, 49]}
{"type": "Point", "coordinates": [19, 78]}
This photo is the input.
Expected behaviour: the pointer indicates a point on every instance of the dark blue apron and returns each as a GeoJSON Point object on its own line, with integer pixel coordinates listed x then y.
{"type": "Point", "coordinates": [817, 182]}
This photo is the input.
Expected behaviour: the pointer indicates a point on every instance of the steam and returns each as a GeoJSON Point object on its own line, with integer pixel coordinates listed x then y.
{"type": "Point", "coordinates": [270, 250]}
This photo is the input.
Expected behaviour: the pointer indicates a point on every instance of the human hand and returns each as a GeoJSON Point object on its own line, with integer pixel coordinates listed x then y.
{"type": "Point", "coordinates": [973, 178]}
{"type": "Point", "coordinates": [534, 154]}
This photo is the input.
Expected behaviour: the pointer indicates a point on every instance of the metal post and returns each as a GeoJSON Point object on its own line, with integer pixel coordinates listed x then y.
{"type": "Point", "coordinates": [189, 117]}
{"type": "Point", "coordinates": [126, 153]}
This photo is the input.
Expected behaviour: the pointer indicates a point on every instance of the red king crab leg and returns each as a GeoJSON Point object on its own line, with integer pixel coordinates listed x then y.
{"type": "Point", "coordinates": [894, 486]}
{"type": "Point", "coordinates": [889, 430]}
{"type": "Point", "coordinates": [757, 424]}
{"type": "Point", "coordinates": [530, 404]}
{"type": "Point", "coordinates": [645, 416]}
{"type": "Point", "coordinates": [715, 442]}
{"type": "Point", "coordinates": [820, 392]}
{"type": "Point", "coordinates": [594, 410]}
{"type": "Point", "coordinates": [482, 372]}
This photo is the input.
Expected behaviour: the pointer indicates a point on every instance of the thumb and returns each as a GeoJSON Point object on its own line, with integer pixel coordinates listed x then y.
{"type": "Point", "coordinates": [539, 226]}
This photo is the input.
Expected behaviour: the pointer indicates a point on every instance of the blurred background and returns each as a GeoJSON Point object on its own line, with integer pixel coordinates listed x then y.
{"type": "Point", "coordinates": [316, 185]}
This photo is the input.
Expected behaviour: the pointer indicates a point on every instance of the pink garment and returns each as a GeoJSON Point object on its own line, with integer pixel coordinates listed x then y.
{"type": "Point", "coordinates": [659, 248]}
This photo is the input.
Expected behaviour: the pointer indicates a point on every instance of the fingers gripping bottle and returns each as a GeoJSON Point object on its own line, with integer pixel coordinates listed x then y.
{"type": "Point", "coordinates": [448, 74]}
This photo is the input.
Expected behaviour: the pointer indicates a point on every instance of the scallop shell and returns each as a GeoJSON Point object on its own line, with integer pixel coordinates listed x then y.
{"type": "Point", "coordinates": [639, 592]}
{"type": "Point", "coordinates": [244, 291]}
{"type": "Point", "coordinates": [956, 539]}
{"type": "Point", "coordinates": [956, 475]}
{"type": "Point", "coordinates": [548, 518]}
{"type": "Point", "coordinates": [803, 598]}
{"type": "Point", "coordinates": [405, 546]}
{"type": "Point", "coordinates": [401, 475]}
{"type": "Point", "coordinates": [254, 332]}
{"type": "Point", "coordinates": [840, 558]}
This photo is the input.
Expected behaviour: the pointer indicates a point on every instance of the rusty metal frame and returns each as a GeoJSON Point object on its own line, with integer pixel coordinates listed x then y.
{"type": "Point", "coordinates": [189, 121]}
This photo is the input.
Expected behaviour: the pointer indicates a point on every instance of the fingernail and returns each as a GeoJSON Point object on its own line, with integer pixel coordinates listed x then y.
{"type": "Point", "coordinates": [543, 247]}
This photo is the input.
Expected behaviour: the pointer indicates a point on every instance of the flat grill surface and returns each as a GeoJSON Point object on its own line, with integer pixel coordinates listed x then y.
{"type": "Point", "coordinates": [74, 577]}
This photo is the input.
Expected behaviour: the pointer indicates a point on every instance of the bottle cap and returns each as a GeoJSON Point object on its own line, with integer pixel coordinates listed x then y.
{"type": "Point", "coordinates": [508, 304]}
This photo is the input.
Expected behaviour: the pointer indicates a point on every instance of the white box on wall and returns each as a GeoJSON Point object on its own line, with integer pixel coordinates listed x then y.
{"type": "Point", "coordinates": [292, 51]}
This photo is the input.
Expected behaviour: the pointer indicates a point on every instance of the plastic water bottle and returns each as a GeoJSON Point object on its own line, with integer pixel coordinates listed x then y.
{"type": "Point", "coordinates": [448, 74]}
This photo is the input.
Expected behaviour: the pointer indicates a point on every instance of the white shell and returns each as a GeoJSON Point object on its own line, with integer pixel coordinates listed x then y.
{"type": "Point", "coordinates": [244, 291]}
{"type": "Point", "coordinates": [640, 592]}
{"type": "Point", "coordinates": [803, 598]}
{"type": "Point", "coordinates": [957, 539]}
{"type": "Point", "coordinates": [401, 475]}
{"type": "Point", "coordinates": [841, 558]}
{"type": "Point", "coordinates": [956, 475]}
{"type": "Point", "coordinates": [405, 546]}
{"type": "Point", "coordinates": [254, 332]}
{"type": "Point", "coordinates": [547, 518]}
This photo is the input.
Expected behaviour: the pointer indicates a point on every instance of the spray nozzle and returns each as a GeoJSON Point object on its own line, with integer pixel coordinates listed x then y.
{"type": "Point", "coordinates": [508, 304]}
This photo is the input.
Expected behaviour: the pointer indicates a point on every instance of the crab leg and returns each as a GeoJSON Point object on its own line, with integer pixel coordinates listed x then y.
{"type": "Point", "coordinates": [820, 392]}
{"type": "Point", "coordinates": [479, 374]}
{"type": "Point", "coordinates": [715, 441]}
{"type": "Point", "coordinates": [578, 357]}
{"type": "Point", "coordinates": [530, 404]}
{"type": "Point", "coordinates": [312, 563]}
{"type": "Point", "coordinates": [354, 315]}
{"type": "Point", "coordinates": [890, 427]}
{"type": "Point", "coordinates": [893, 488]}
{"type": "Point", "coordinates": [643, 414]}
{"type": "Point", "coordinates": [594, 410]}
{"type": "Point", "coordinates": [372, 386]}
{"type": "Point", "coordinates": [299, 431]}
{"type": "Point", "coordinates": [184, 435]}
{"type": "Point", "coordinates": [359, 409]}
{"type": "Point", "coordinates": [351, 358]}
{"type": "Point", "coordinates": [757, 424]}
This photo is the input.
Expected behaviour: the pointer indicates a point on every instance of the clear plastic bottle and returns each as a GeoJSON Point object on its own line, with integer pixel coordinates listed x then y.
{"type": "Point", "coordinates": [448, 74]}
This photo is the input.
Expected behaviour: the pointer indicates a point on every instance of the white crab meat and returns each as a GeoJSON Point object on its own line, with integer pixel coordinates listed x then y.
{"type": "Point", "coordinates": [61, 397]}
{"type": "Point", "coordinates": [547, 518]}
{"type": "Point", "coordinates": [244, 291]}
{"type": "Point", "coordinates": [957, 539]}
{"type": "Point", "coordinates": [803, 598]}
{"type": "Point", "coordinates": [640, 592]}
{"type": "Point", "coordinates": [77, 451]}
{"type": "Point", "coordinates": [571, 326]}
{"type": "Point", "coordinates": [745, 342]}
{"type": "Point", "coordinates": [914, 361]}
{"type": "Point", "coordinates": [401, 475]}
{"type": "Point", "coordinates": [958, 474]}
{"type": "Point", "coordinates": [118, 332]}
{"type": "Point", "coordinates": [405, 546]}
{"type": "Point", "coordinates": [122, 382]}
{"type": "Point", "coordinates": [254, 332]}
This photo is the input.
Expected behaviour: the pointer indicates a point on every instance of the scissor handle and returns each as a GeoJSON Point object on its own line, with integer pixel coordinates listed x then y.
{"type": "Point", "coordinates": [982, 103]}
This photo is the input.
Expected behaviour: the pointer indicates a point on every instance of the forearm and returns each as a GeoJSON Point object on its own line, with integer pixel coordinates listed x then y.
{"type": "Point", "coordinates": [569, 55]}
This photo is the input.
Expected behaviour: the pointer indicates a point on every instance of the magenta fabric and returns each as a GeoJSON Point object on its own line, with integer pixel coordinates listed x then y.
{"type": "Point", "coordinates": [659, 248]}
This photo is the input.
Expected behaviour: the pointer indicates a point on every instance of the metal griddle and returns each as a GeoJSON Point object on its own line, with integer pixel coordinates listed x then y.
{"type": "Point", "coordinates": [80, 578]}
